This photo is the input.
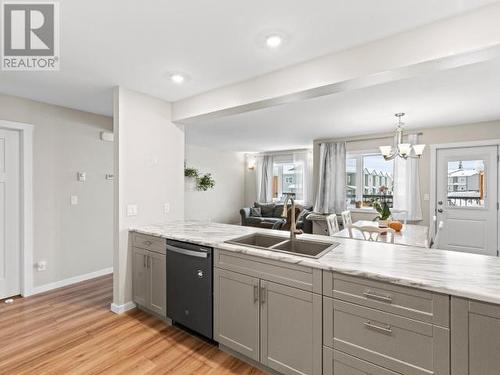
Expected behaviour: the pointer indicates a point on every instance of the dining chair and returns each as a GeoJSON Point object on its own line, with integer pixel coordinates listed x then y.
{"type": "Point", "coordinates": [346, 218]}
{"type": "Point", "coordinates": [434, 242]}
{"type": "Point", "coordinates": [332, 224]}
{"type": "Point", "coordinates": [371, 233]}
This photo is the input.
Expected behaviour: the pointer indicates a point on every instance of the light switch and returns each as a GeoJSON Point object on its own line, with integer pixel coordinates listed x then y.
{"type": "Point", "coordinates": [81, 176]}
{"type": "Point", "coordinates": [427, 197]}
{"type": "Point", "coordinates": [166, 208]}
{"type": "Point", "coordinates": [132, 210]}
{"type": "Point", "coordinates": [74, 200]}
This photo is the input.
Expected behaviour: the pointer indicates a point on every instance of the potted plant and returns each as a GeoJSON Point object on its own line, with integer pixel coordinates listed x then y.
{"type": "Point", "coordinates": [382, 207]}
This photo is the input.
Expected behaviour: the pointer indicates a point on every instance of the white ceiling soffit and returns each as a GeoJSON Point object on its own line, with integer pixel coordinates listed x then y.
{"type": "Point", "coordinates": [442, 45]}
{"type": "Point", "coordinates": [134, 44]}
{"type": "Point", "coordinates": [464, 95]}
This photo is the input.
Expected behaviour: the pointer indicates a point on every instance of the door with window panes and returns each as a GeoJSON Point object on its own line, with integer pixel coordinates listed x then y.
{"type": "Point", "coordinates": [466, 199]}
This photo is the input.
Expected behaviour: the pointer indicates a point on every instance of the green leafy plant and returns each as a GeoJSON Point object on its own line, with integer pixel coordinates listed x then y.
{"type": "Point", "coordinates": [381, 205]}
{"type": "Point", "coordinates": [191, 172]}
{"type": "Point", "coordinates": [205, 182]}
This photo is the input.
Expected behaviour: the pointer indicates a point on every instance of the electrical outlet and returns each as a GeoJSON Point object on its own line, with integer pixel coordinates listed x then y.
{"type": "Point", "coordinates": [166, 208]}
{"type": "Point", "coordinates": [74, 200]}
{"type": "Point", "coordinates": [41, 266]}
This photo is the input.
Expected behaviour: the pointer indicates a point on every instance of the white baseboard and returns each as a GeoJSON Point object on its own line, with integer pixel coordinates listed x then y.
{"type": "Point", "coordinates": [120, 309]}
{"type": "Point", "coordinates": [71, 280]}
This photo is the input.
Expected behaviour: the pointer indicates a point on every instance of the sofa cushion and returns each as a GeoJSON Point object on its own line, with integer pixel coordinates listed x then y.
{"type": "Point", "coordinates": [266, 209]}
{"type": "Point", "coordinates": [252, 220]}
{"type": "Point", "coordinates": [255, 212]}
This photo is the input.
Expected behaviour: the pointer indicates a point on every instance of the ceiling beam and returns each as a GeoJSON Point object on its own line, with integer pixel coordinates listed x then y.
{"type": "Point", "coordinates": [466, 39]}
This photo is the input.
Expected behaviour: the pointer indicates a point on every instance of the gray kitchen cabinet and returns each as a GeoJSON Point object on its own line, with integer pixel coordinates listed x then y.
{"type": "Point", "coordinates": [236, 312]}
{"type": "Point", "coordinates": [157, 291]}
{"type": "Point", "coordinates": [140, 276]}
{"type": "Point", "coordinates": [475, 338]}
{"type": "Point", "coordinates": [149, 278]}
{"type": "Point", "coordinates": [257, 315]}
{"type": "Point", "coordinates": [291, 334]}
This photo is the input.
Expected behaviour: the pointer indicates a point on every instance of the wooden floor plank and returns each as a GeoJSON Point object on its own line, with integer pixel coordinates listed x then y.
{"type": "Point", "coordinates": [72, 331]}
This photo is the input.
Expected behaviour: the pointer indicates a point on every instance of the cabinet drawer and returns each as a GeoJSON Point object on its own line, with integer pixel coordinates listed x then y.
{"type": "Point", "coordinates": [412, 303]}
{"type": "Point", "coordinates": [296, 276]}
{"type": "Point", "coordinates": [151, 243]}
{"type": "Point", "coordinates": [338, 363]}
{"type": "Point", "coordinates": [390, 341]}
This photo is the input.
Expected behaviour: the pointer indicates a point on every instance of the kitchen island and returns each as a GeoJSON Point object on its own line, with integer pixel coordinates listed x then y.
{"type": "Point", "coordinates": [374, 307]}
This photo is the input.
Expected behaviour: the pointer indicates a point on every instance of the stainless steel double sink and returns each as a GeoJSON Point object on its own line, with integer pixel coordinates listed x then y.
{"type": "Point", "coordinates": [302, 247]}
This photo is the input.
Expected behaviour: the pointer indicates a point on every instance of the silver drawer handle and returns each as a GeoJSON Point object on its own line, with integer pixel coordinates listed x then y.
{"type": "Point", "coordinates": [148, 243]}
{"type": "Point", "coordinates": [379, 297]}
{"type": "Point", "coordinates": [255, 293]}
{"type": "Point", "coordinates": [387, 329]}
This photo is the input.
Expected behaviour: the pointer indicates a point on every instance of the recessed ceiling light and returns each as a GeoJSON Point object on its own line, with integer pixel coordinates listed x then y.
{"type": "Point", "coordinates": [274, 41]}
{"type": "Point", "coordinates": [177, 78]}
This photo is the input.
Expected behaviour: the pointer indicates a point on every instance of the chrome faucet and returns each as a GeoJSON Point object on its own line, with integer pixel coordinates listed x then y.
{"type": "Point", "coordinates": [293, 226]}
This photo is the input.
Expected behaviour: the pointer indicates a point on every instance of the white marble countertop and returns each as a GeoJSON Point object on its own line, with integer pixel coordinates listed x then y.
{"type": "Point", "coordinates": [459, 274]}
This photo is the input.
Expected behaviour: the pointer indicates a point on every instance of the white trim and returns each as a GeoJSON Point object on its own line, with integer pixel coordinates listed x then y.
{"type": "Point", "coordinates": [120, 309]}
{"type": "Point", "coordinates": [26, 150]}
{"type": "Point", "coordinates": [433, 172]}
{"type": "Point", "coordinates": [72, 280]}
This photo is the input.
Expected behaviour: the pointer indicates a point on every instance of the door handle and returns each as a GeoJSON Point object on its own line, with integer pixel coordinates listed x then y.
{"type": "Point", "coordinates": [144, 261]}
{"type": "Point", "coordinates": [192, 253]}
{"type": "Point", "coordinates": [440, 210]}
{"type": "Point", "coordinates": [255, 293]}
{"type": "Point", "coordinates": [262, 295]}
{"type": "Point", "coordinates": [149, 261]}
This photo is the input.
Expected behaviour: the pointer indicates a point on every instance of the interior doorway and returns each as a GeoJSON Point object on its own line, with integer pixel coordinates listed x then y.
{"type": "Point", "coordinates": [10, 214]}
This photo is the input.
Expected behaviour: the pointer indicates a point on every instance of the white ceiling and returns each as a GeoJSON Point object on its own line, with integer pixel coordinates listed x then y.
{"type": "Point", "coordinates": [134, 43]}
{"type": "Point", "coordinates": [457, 96]}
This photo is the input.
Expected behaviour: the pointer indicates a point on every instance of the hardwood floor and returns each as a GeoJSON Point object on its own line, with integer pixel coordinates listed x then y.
{"type": "Point", "coordinates": [72, 331]}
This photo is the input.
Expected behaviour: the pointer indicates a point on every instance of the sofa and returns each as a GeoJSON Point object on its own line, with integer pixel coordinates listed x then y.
{"type": "Point", "coordinates": [270, 217]}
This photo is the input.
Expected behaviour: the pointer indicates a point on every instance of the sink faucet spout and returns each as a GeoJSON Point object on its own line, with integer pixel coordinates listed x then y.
{"type": "Point", "coordinates": [293, 225]}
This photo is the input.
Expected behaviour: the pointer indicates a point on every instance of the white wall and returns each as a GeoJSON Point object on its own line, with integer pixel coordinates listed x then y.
{"type": "Point", "coordinates": [149, 165]}
{"type": "Point", "coordinates": [74, 240]}
{"type": "Point", "coordinates": [221, 204]}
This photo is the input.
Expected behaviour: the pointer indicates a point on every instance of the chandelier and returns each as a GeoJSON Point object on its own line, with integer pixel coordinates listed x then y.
{"type": "Point", "coordinates": [403, 150]}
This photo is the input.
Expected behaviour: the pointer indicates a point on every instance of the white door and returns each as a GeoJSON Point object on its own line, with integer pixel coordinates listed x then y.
{"type": "Point", "coordinates": [9, 214]}
{"type": "Point", "coordinates": [466, 199]}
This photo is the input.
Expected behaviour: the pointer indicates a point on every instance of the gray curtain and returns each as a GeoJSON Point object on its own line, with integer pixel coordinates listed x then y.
{"type": "Point", "coordinates": [331, 193]}
{"type": "Point", "coordinates": [265, 179]}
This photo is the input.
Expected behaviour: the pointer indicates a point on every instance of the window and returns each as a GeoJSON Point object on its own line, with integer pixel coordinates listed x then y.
{"type": "Point", "coordinates": [366, 174]}
{"type": "Point", "coordinates": [288, 178]}
{"type": "Point", "coordinates": [466, 187]}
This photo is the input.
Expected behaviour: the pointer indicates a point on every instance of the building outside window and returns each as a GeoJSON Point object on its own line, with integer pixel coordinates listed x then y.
{"type": "Point", "coordinates": [288, 178]}
{"type": "Point", "coordinates": [366, 174]}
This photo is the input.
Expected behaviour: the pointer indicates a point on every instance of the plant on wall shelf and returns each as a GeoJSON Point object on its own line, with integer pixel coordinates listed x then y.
{"type": "Point", "coordinates": [203, 182]}
{"type": "Point", "coordinates": [191, 172]}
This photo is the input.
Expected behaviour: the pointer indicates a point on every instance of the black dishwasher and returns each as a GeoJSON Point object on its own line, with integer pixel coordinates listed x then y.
{"type": "Point", "coordinates": [189, 286]}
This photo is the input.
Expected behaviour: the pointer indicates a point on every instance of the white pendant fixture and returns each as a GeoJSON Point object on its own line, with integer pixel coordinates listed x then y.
{"type": "Point", "coordinates": [400, 149]}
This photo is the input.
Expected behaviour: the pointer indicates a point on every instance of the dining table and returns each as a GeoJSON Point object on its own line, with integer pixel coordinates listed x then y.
{"type": "Point", "coordinates": [409, 235]}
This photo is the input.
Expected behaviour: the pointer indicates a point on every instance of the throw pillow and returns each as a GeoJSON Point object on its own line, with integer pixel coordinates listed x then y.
{"type": "Point", "coordinates": [266, 209]}
{"type": "Point", "coordinates": [255, 212]}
